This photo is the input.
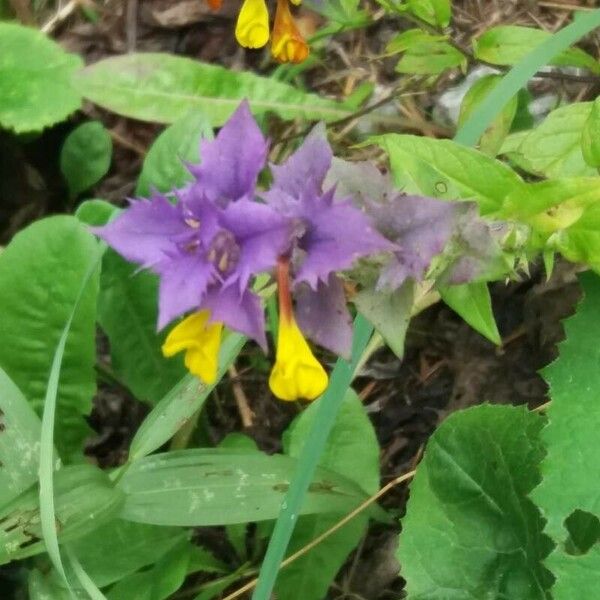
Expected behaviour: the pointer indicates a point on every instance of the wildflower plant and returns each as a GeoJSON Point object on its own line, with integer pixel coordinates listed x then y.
{"type": "Point", "coordinates": [255, 265]}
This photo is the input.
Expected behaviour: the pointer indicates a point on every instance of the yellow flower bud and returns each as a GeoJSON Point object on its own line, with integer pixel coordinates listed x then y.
{"type": "Point", "coordinates": [252, 28]}
{"type": "Point", "coordinates": [201, 341]}
{"type": "Point", "coordinates": [288, 44]}
{"type": "Point", "coordinates": [297, 373]}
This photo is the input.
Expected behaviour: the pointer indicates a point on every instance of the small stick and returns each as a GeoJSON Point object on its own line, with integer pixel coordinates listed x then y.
{"type": "Point", "coordinates": [241, 400]}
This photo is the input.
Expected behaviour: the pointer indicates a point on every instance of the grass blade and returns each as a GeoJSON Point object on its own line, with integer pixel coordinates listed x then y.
{"type": "Point", "coordinates": [330, 403]}
{"type": "Point", "coordinates": [341, 377]}
{"type": "Point", "coordinates": [47, 454]}
{"type": "Point", "coordinates": [521, 73]}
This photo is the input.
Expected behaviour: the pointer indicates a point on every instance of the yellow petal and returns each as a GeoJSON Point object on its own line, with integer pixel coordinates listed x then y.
{"type": "Point", "coordinates": [252, 28]}
{"type": "Point", "coordinates": [297, 373]}
{"type": "Point", "coordinates": [201, 341]}
{"type": "Point", "coordinates": [288, 44]}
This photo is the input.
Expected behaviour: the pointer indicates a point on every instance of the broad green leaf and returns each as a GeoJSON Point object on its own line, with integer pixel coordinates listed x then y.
{"type": "Point", "coordinates": [120, 548]}
{"type": "Point", "coordinates": [470, 530]}
{"type": "Point", "coordinates": [170, 571]}
{"type": "Point", "coordinates": [569, 469]}
{"type": "Point", "coordinates": [84, 500]}
{"type": "Point", "coordinates": [220, 487]}
{"type": "Point", "coordinates": [553, 149]}
{"type": "Point", "coordinates": [167, 575]}
{"type": "Point", "coordinates": [473, 303]}
{"type": "Point", "coordinates": [590, 137]}
{"type": "Point", "coordinates": [45, 264]}
{"type": "Point", "coordinates": [135, 587]}
{"type": "Point", "coordinates": [163, 167]}
{"type": "Point", "coordinates": [164, 88]}
{"type": "Point", "coordinates": [492, 139]}
{"type": "Point", "coordinates": [47, 586]}
{"type": "Point", "coordinates": [352, 450]}
{"type": "Point", "coordinates": [509, 44]}
{"type": "Point", "coordinates": [128, 313]}
{"type": "Point", "coordinates": [553, 205]}
{"type": "Point", "coordinates": [85, 156]}
{"type": "Point", "coordinates": [180, 403]}
{"type": "Point", "coordinates": [434, 12]}
{"type": "Point", "coordinates": [430, 58]}
{"type": "Point", "coordinates": [563, 213]}
{"type": "Point", "coordinates": [19, 441]}
{"type": "Point", "coordinates": [448, 170]}
{"type": "Point", "coordinates": [389, 313]}
{"type": "Point", "coordinates": [35, 80]}
{"type": "Point", "coordinates": [409, 38]}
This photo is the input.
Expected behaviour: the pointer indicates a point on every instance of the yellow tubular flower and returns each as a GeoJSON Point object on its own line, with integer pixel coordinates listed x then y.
{"type": "Point", "coordinates": [288, 45]}
{"type": "Point", "coordinates": [252, 28]}
{"type": "Point", "coordinates": [296, 373]}
{"type": "Point", "coordinates": [201, 341]}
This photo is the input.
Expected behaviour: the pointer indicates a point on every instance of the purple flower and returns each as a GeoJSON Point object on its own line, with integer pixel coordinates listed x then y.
{"type": "Point", "coordinates": [207, 247]}
{"type": "Point", "coordinates": [330, 236]}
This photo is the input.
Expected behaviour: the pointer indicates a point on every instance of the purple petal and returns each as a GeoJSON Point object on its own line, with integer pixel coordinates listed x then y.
{"type": "Point", "coordinates": [337, 235]}
{"type": "Point", "coordinates": [362, 181]}
{"type": "Point", "coordinates": [230, 163]}
{"type": "Point", "coordinates": [305, 170]}
{"type": "Point", "coordinates": [262, 234]}
{"type": "Point", "coordinates": [243, 313]}
{"type": "Point", "coordinates": [183, 282]}
{"type": "Point", "coordinates": [421, 227]}
{"type": "Point", "coordinates": [145, 232]}
{"type": "Point", "coordinates": [480, 252]}
{"type": "Point", "coordinates": [323, 315]}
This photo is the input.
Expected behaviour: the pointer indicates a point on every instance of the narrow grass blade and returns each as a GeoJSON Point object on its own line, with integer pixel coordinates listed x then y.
{"type": "Point", "coordinates": [84, 579]}
{"type": "Point", "coordinates": [341, 377]}
{"type": "Point", "coordinates": [330, 403]}
{"type": "Point", "coordinates": [521, 73]}
{"type": "Point", "coordinates": [47, 454]}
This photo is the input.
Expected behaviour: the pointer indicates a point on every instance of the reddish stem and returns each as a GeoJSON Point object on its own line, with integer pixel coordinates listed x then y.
{"type": "Point", "coordinates": [283, 289]}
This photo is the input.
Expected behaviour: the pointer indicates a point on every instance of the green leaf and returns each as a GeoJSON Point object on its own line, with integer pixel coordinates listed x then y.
{"type": "Point", "coordinates": [35, 80]}
{"type": "Point", "coordinates": [164, 88]}
{"type": "Point", "coordinates": [84, 499]}
{"type": "Point", "coordinates": [434, 12]}
{"type": "Point", "coordinates": [470, 530]}
{"type": "Point", "coordinates": [45, 264]}
{"type": "Point", "coordinates": [473, 303]}
{"type": "Point", "coordinates": [590, 137]}
{"type": "Point", "coordinates": [492, 139]}
{"type": "Point", "coordinates": [19, 441]}
{"type": "Point", "coordinates": [119, 548]}
{"type": "Point", "coordinates": [352, 450]}
{"type": "Point", "coordinates": [430, 58]}
{"type": "Point", "coordinates": [128, 313]}
{"type": "Point", "coordinates": [449, 170]}
{"type": "Point", "coordinates": [409, 38]}
{"type": "Point", "coordinates": [388, 312]}
{"type": "Point", "coordinates": [509, 44]}
{"type": "Point", "coordinates": [85, 156]}
{"type": "Point", "coordinates": [170, 571]}
{"type": "Point", "coordinates": [569, 483]}
{"type": "Point", "coordinates": [553, 149]}
{"type": "Point", "coordinates": [220, 487]}
{"type": "Point", "coordinates": [163, 168]}
{"type": "Point", "coordinates": [552, 205]}
{"type": "Point", "coordinates": [180, 403]}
